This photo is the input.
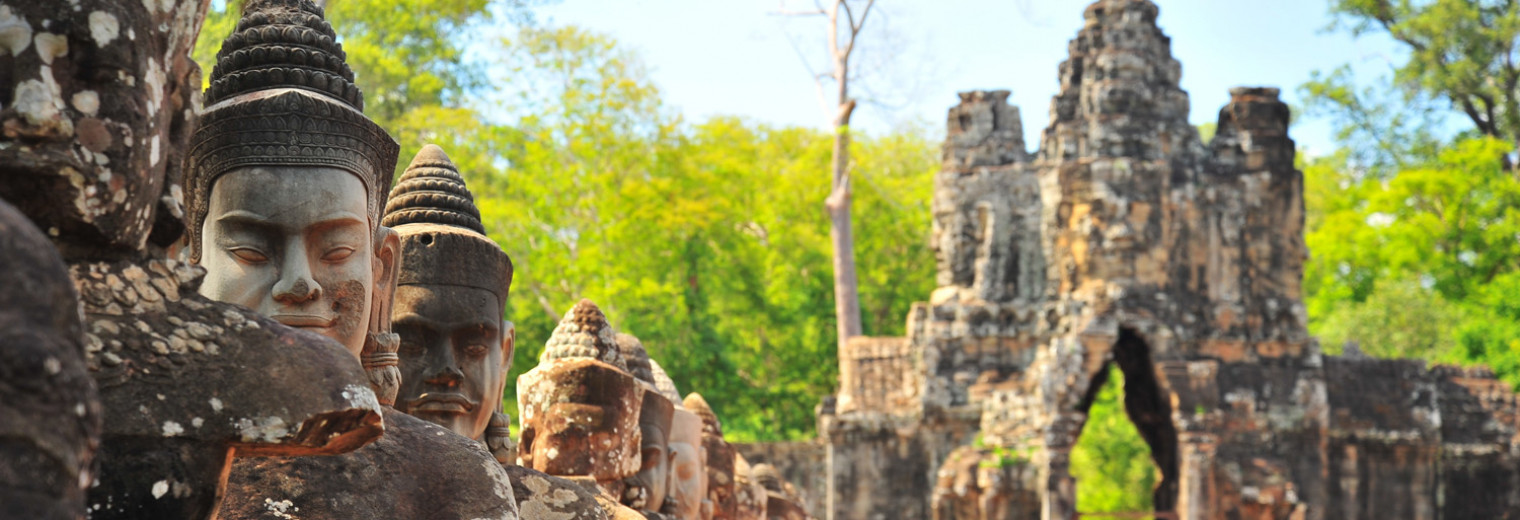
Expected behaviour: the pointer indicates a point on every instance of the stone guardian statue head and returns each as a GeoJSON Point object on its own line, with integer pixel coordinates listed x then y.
{"type": "Point", "coordinates": [580, 406]}
{"type": "Point", "coordinates": [719, 460]}
{"type": "Point", "coordinates": [287, 178]}
{"type": "Point", "coordinates": [649, 489]}
{"type": "Point", "coordinates": [687, 478]}
{"type": "Point", "coordinates": [450, 296]}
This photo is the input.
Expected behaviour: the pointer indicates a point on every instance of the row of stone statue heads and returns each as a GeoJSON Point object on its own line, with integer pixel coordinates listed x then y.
{"type": "Point", "coordinates": [215, 305]}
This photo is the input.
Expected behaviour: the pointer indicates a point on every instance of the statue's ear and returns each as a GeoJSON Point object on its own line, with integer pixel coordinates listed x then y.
{"type": "Point", "coordinates": [508, 346]}
{"type": "Point", "coordinates": [387, 263]}
{"type": "Point", "coordinates": [508, 349]}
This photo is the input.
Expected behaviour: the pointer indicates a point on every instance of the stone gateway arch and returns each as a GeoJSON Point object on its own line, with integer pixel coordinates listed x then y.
{"type": "Point", "coordinates": [1127, 241]}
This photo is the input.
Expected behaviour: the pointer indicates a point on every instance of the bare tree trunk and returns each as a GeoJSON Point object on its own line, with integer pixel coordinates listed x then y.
{"type": "Point", "coordinates": [846, 284]}
{"type": "Point", "coordinates": [837, 204]}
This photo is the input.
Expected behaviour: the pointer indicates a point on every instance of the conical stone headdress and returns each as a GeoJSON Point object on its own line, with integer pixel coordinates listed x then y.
{"type": "Point", "coordinates": [584, 333]}
{"type": "Point", "coordinates": [664, 383]}
{"type": "Point", "coordinates": [698, 405]}
{"type": "Point", "coordinates": [636, 357]}
{"type": "Point", "coordinates": [442, 239]}
{"type": "Point", "coordinates": [282, 95]}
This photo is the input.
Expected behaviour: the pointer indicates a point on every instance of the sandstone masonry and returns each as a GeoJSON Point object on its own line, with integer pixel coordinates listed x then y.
{"type": "Point", "coordinates": [1126, 241]}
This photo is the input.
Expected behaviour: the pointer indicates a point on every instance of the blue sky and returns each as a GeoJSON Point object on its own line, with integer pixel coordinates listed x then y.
{"type": "Point", "coordinates": [733, 57]}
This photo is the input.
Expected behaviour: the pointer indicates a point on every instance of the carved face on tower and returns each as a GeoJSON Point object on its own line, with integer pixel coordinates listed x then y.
{"type": "Point", "coordinates": [286, 176]}
{"type": "Point", "coordinates": [580, 407]}
{"type": "Point", "coordinates": [95, 119]}
{"type": "Point", "coordinates": [451, 290]}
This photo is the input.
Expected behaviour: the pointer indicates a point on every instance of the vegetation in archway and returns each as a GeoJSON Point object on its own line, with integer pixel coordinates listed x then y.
{"type": "Point", "coordinates": [1111, 463]}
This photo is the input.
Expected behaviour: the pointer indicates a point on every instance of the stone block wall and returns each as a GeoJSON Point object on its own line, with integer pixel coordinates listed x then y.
{"type": "Point", "coordinates": [802, 464]}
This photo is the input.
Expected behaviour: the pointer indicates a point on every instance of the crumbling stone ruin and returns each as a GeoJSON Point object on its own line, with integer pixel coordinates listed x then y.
{"type": "Point", "coordinates": [1127, 242]}
{"type": "Point", "coordinates": [140, 386]}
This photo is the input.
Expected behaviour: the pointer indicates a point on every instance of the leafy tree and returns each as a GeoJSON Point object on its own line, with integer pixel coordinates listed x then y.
{"type": "Point", "coordinates": [1110, 462]}
{"type": "Point", "coordinates": [1459, 51]}
{"type": "Point", "coordinates": [1410, 266]}
{"type": "Point", "coordinates": [1491, 333]}
{"type": "Point", "coordinates": [703, 240]}
{"type": "Point", "coordinates": [408, 58]}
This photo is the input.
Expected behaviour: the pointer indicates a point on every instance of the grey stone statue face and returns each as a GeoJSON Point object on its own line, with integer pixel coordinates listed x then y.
{"type": "Point", "coordinates": [454, 350]}
{"type": "Point", "coordinates": [294, 244]}
{"type": "Point", "coordinates": [654, 473]}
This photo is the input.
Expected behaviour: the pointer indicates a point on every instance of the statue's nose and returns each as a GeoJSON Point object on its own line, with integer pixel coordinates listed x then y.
{"type": "Point", "coordinates": [449, 377]}
{"type": "Point", "coordinates": [296, 284]}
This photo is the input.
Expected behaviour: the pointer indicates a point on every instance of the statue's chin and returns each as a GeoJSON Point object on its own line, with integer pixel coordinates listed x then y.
{"type": "Point", "coordinates": [452, 417]}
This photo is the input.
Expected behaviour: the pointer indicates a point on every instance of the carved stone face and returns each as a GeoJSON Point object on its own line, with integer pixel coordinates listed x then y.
{"type": "Point", "coordinates": [653, 477]}
{"type": "Point", "coordinates": [580, 418]}
{"type": "Point", "coordinates": [688, 480]}
{"type": "Point", "coordinates": [94, 117]}
{"type": "Point", "coordinates": [750, 498]}
{"type": "Point", "coordinates": [454, 348]}
{"type": "Point", "coordinates": [294, 244]}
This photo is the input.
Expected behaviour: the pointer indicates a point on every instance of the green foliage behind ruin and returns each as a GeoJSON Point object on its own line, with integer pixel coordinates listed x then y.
{"type": "Point", "coordinates": [708, 240]}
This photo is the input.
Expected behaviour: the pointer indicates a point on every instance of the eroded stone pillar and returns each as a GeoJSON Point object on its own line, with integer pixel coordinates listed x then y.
{"type": "Point", "coordinates": [1060, 500]}
{"type": "Point", "coordinates": [1195, 498]}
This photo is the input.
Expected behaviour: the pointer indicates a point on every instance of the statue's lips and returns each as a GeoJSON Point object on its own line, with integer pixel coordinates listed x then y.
{"type": "Point", "coordinates": [305, 321]}
{"type": "Point", "coordinates": [444, 403]}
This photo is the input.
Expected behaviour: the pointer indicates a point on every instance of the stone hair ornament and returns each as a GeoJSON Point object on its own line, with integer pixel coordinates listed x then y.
{"type": "Point", "coordinates": [282, 95]}
{"type": "Point", "coordinates": [498, 439]}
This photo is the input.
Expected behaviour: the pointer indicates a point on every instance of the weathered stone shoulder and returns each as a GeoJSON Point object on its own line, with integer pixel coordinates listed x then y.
{"type": "Point", "coordinates": [183, 380]}
{"type": "Point", "coordinates": [543, 496]}
{"type": "Point", "coordinates": [416, 470]}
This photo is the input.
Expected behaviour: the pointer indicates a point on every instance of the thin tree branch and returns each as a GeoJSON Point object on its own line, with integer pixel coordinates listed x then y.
{"type": "Point", "coordinates": [783, 11]}
{"type": "Point", "coordinates": [796, 13]}
{"type": "Point", "coordinates": [866, 13]}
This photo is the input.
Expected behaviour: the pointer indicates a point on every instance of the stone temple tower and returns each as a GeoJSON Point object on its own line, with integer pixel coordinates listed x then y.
{"type": "Point", "coordinates": [1127, 243]}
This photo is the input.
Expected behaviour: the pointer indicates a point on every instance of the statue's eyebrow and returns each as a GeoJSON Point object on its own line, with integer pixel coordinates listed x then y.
{"type": "Point", "coordinates": [477, 326]}
{"type": "Point", "coordinates": [338, 219]}
{"type": "Point", "coordinates": [241, 216]}
{"type": "Point", "coordinates": [413, 319]}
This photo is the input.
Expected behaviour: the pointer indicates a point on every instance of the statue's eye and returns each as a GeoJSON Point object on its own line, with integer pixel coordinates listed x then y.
{"type": "Point", "coordinates": [338, 254]}
{"type": "Point", "coordinates": [249, 255]}
{"type": "Point", "coordinates": [475, 351]}
{"type": "Point", "coordinates": [411, 349]}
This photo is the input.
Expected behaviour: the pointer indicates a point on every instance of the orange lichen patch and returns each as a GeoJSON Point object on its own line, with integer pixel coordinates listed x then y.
{"type": "Point", "coordinates": [1228, 351]}
{"type": "Point", "coordinates": [1150, 269]}
{"type": "Point", "coordinates": [1224, 317]}
{"type": "Point", "coordinates": [1277, 349]}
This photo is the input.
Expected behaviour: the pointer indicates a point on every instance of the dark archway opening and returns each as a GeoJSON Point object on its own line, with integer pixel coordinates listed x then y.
{"type": "Point", "coordinates": [1148, 410]}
